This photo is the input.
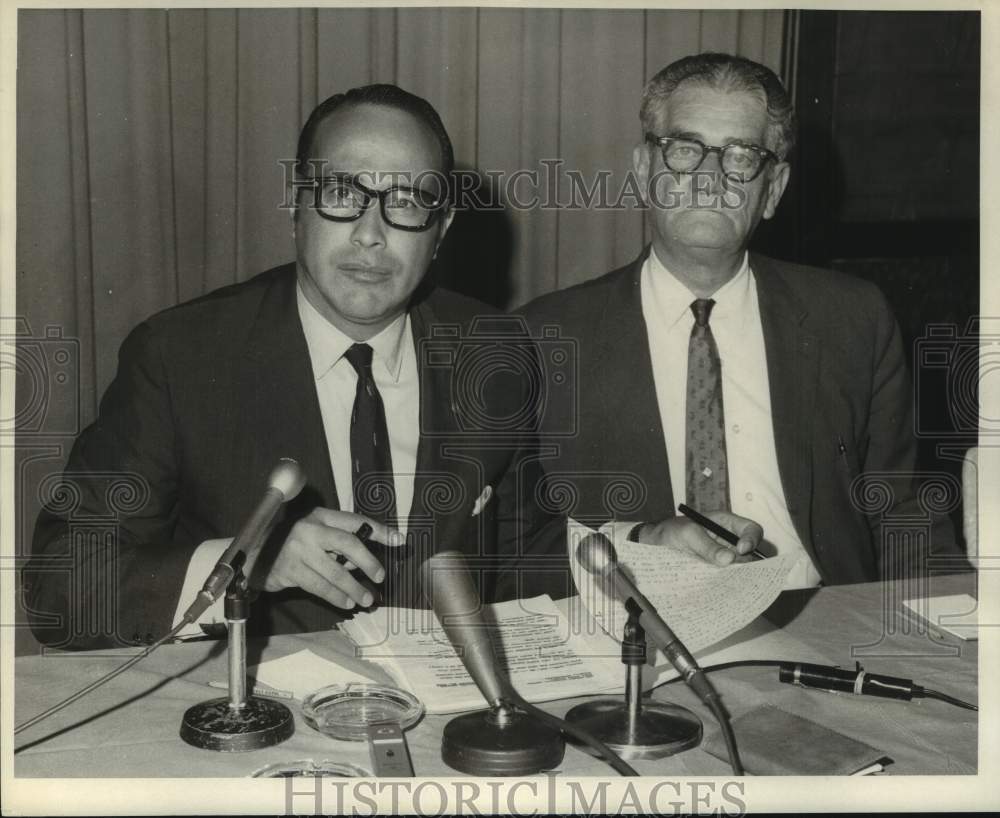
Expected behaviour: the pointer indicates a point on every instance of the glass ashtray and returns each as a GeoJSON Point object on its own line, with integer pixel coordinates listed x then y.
{"type": "Point", "coordinates": [344, 711]}
{"type": "Point", "coordinates": [307, 768]}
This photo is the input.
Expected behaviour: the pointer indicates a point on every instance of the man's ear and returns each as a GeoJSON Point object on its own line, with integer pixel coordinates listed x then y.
{"type": "Point", "coordinates": [640, 164]}
{"type": "Point", "coordinates": [443, 226]}
{"type": "Point", "coordinates": [293, 195]}
{"type": "Point", "coordinates": [776, 185]}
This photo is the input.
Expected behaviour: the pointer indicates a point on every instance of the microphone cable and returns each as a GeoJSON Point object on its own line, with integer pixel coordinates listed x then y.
{"type": "Point", "coordinates": [944, 697]}
{"type": "Point", "coordinates": [619, 764]}
{"type": "Point", "coordinates": [726, 727]}
{"type": "Point", "coordinates": [105, 678]}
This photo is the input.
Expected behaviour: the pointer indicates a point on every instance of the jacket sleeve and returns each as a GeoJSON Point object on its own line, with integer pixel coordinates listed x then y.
{"type": "Point", "coordinates": [531, 541]}
{"type": "Point", "coordinates": [531, 537]}
{"type": "Point", "coordinates": [889, 475]}
{"type": "Point", "coordinates": [106, 566]}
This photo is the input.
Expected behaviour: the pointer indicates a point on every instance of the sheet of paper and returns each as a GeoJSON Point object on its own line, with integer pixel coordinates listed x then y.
{"type": "Point", "coordinates": [543, 657]}
{"type": "Point", "coordinates": [302, 673]}
{"type": "Point", "coordinates": [957, 614]}
{"type": "Point", "coordinates": [702, 603]}
{"type": "Point", "coordinates": [758, 640]}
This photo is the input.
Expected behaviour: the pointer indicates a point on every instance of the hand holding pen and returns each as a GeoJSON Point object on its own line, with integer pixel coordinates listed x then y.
{"type": "Point", "coordinates": [720, 532]}
{"type": "Point", "coordinates": [695, 538]}
{"type": "Point", "coordinates": [329, 554]}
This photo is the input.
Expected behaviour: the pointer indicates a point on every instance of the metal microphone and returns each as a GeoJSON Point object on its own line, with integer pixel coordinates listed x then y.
{"type": "Point", "coordinates": [501, 740]}
{"type": "Point", "coordinates": [453, 596]}
{"type": "Point", "coordinates": [597, 555]}
{"type": "Point", "coordinates": [239, 722]}
{"type": "Point", "coordinates": [284, 483]}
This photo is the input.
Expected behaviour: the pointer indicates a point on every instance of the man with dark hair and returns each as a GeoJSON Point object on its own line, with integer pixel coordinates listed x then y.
{"type": "Point", "coordinates": [379, 95]}
{"type": "Point", "coordinates": [318, 361]}
{"type": "Point", "coordinates": [727, 380]}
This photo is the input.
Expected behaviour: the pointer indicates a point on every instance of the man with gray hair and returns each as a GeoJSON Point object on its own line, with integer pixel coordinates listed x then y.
{"type": "Point", "coordinates": [726, 380]}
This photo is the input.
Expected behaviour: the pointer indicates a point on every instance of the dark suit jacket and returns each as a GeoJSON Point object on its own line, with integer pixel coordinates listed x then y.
{"type": "Point", "coordinates": [837, 373]}
{"type": "Point", "coordinates": [208, 396]}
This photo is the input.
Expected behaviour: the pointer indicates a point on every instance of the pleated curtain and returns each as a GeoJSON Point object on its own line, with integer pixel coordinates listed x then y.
{"type": "Point", "coordinates": [148, 148]}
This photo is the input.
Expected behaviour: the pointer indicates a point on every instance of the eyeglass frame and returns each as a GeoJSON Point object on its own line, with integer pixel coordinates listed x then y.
{"type": "Point", "coordinates": [438, 207]}
{"type": "Point", "coordinates": [662, 141]}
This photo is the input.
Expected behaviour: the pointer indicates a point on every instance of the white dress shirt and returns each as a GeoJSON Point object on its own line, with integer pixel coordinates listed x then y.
{"type": "Point", "coordinates": [394, 368]}
{"type": "Point", "coordinates": [754, 482]}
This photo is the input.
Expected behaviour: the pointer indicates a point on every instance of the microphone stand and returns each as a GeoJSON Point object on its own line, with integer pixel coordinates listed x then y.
{"type": "Point", "coordinates": [237, 723]}
{"type": "Point", "coordinates": [630, 728]}
{"type": "Point", "coordinates": [501, 741]}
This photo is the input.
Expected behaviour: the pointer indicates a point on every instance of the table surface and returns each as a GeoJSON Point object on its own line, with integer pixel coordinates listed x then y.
{"type": "Point", "coordinates": [129, 727]}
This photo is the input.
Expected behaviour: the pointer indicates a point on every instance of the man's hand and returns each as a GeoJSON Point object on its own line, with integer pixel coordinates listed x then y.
{"type": "Point", "coordinates": [308, 558]}
{"type": "Point", "coordinates": [680, 532]}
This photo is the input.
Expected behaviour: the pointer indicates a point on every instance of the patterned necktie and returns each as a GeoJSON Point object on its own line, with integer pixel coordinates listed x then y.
{"type": "Point", "coordinates": [371, 459]}
{"type": "Point", "coordinates": [707, 474]}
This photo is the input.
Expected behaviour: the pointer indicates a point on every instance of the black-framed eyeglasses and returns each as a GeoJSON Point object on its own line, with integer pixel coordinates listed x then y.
{"type": "Point", "coordinates": [342, 198]}
{"type": "Point", "coordinates": [739, 160]}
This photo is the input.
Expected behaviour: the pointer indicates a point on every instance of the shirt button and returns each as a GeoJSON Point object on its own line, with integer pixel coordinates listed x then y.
{"type": "Point", "coordinates": [749, 495]}
{"type": "Point", "coordinates": [736, 428]}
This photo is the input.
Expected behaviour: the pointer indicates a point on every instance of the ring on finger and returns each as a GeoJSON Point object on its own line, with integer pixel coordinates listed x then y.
{"type": "Point", "coordinates": [340, 559]}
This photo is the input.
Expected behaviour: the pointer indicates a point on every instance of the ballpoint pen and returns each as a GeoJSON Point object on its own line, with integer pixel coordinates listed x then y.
{"type": "Point", "coordinates": [715, 528]}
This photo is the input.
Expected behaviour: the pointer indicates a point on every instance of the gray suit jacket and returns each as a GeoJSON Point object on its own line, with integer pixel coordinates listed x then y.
{"type": "Point", "coordinates": [841, 401]}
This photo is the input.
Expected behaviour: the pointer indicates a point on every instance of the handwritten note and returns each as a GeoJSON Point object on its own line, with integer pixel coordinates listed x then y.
{"type": "Point", "coordinates": [702, 603]}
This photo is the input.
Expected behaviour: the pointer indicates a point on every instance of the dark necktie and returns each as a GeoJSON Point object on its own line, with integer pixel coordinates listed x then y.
{"type": "Point", "coordinates": [707, 474]}
{"type": "Point", "coordinates": [371, 459]}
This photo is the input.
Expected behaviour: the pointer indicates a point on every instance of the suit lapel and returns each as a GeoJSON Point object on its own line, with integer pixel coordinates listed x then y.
{"type": "Point", "coordinates": [434, 481]}
{"type": "Point", "coordinates": [625, 378]}
{"type": "Point", "coordinates": [793, 369]}
{"type": "Point", "coordinates": [281, 403]}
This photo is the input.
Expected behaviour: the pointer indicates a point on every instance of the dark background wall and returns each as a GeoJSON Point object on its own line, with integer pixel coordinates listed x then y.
{"type": "Point", "coordinates": [886, 186]}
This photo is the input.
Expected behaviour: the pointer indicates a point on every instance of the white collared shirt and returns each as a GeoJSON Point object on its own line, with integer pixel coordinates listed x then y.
{"type": "Point", "coordinates": [754, 481]}
{"type": "Point", "coordinates": [394, 368]}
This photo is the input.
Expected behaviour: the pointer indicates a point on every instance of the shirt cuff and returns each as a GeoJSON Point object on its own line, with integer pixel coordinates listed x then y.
{"type": "Point", "coordinates": [202, 562]}
{"type": "Point", "coordinates": [618, 531]}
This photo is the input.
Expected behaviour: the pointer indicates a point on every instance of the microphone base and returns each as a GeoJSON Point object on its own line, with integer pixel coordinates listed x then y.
{"type": "Point", "coordinates": [214, 725]}
{"type": "Point", "coordinates": [476, 744]}
{"type": "Point", "coordinates": [659, 730]}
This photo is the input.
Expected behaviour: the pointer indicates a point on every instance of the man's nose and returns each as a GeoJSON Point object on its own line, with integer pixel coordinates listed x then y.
{"type": "Point", "coordinates": [712, 166]}
{"type": "Point", "coordinates": [713, 162]}
{"type": "Point", "coordinates": [370, 228]}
